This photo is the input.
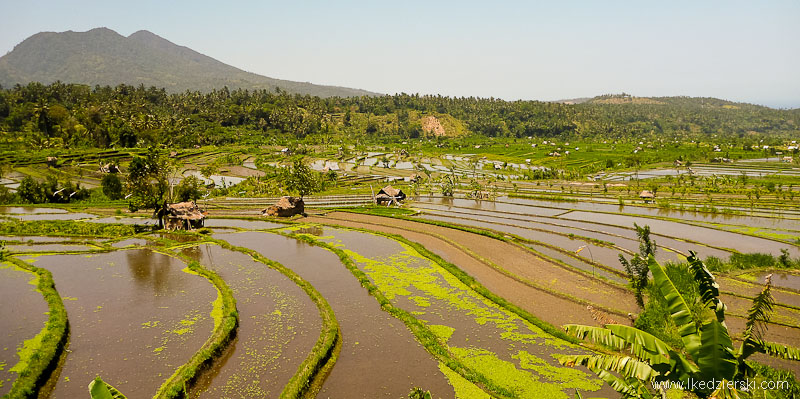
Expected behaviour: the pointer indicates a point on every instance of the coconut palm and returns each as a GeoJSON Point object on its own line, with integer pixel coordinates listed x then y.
{"type": "Point", "coordinates": [708, 353]}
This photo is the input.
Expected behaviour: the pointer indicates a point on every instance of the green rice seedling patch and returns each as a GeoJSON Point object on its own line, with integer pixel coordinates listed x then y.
{"type": "Point", "coordinates": [773, 234]}
{"type": "Point", "coordinates": [65, 228]}
{"type": "Point", "coordinates": [463, 388]}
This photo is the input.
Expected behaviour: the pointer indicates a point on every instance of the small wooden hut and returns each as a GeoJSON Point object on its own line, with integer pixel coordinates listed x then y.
{"type": "Point", "coordinates": [647, 196]}
{"type": "Point", "coordinates": [183, 215]}
{"type": "Point", "coordinates": [389, 194]}
{"type": "Point", "coordinates": [109, 168]}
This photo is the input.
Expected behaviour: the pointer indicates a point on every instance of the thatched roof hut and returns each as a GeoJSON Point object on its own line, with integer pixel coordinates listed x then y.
{"type": "Point", "coordinates": [389, 194]}
{"type": "Point", "coordinates": [184, 215]}
{"type": "Point", "coordinates": [646, 195]}
{"type": "Point", "coordinates": [286, 207]}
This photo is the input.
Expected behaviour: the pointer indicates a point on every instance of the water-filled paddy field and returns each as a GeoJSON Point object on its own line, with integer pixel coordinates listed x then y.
{"type": "Point", "coordinates": [375, 345]}
{"type": "Point", "coordinates": [464, 299]}
{"type": "Point", "coordinates": [134, 317]}
{"type": "Point", "coordinates": [277, 328]}
{"type": "Point", "coordinates": [23, 314]}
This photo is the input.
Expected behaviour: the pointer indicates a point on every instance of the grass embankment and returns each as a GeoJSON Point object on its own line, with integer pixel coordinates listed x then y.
{"type": "Point", "coordinates": [428, 338]}
{"type": "Point", "coordinates": [308, 379]}
{"type": "Point", "coordinates": [40, 355]}
{"type": "Point", "coordinates": [226, 320]}
{"type": "Point", "coordinates": [553, 198]}
{"type": "Point", "coordinates": [65, 228]}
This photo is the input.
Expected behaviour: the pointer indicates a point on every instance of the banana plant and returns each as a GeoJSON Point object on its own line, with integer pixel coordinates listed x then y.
{"type": "Point", "coordinates": [419, 393]}
{"type": "Point", "coordinates": [100, 390]}
{"type": "Point", "coordinates": [708, 354]}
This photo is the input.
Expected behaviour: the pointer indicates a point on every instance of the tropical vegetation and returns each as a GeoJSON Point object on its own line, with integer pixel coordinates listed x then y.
{"type": "Point", "coordinates": [708, 353]}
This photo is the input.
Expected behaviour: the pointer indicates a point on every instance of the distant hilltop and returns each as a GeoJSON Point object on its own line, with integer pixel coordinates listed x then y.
{"type": "Point", "coordinates": [104, 57]}
{"type": "Point", "coordinates": [625, 98]}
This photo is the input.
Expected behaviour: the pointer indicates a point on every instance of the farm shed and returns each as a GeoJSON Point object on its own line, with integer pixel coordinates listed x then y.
{"type": "Point", "coordinates": [183, 215]}
{"type": "Point", "coordinates": [389, 194]}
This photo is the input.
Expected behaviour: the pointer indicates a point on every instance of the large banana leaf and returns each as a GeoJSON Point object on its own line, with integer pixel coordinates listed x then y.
{"type": "Point", "coordinates": [725, 392]}
{"type": "Point", "coordinates": [678, 309]}
{"type": "Point", "coordinates": [626, 366]}
{"type": "Point", "coordinates": [709, 289]}
{"type": "Point", "coordinates": [644, 345]}
{"type": "Point", "coordinates": [717, 359]}
{"type": "Point", "coordinates": [597, 335]}
{"type": "Point", "coordinates": [100, 390]}
{"type": "Point", "coordinates": [781, 351]}
{"type": "Point", "coordinates": [630, 388]}
{"type": "Point", "coordinates": [757, 318]}
{"type": "Point", "coordinates": [665, 360]}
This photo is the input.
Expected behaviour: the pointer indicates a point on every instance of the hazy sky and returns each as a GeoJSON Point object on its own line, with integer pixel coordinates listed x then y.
{"type": "Point", "coordinates": [738, 50]}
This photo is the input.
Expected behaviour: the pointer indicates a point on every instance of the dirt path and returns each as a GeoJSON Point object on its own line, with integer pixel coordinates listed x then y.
{"type": "Point", "coordinates": [455, 247]}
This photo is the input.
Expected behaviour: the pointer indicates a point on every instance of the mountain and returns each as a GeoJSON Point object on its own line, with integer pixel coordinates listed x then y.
{"type": "Point", "coordinates": [104, 57]}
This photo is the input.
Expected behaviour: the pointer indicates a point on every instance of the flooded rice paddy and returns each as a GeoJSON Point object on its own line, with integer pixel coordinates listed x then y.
{"type": "Point", "coordinates": [375, 345]}
{"type": "Point", "coordinates": [278, 326]}
{"type": "Point", "coordinates": [23, 314]}
{"type": "Point", "coordinates": [788, 280]}
{"type": "Point", "coordinates": [492, 341]}
{"type": "Point", "coordinates": [603, 225]}
{"type": "Point", "coordinates": [135, 316]}
{"type": "Point", "coordinates": [242, 224]}
{"type": "Point", "coordinates": [131, 242]}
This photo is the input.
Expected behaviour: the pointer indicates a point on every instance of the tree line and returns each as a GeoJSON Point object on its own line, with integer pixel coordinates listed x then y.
{"type": "Point", "coordinates": [63, 115]}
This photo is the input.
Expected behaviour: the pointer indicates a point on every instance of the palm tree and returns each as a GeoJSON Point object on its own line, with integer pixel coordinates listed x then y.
{"type": "Point", "coordinates": [709, 351]}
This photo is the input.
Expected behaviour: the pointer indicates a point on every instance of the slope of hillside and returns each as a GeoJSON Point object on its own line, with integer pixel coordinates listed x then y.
{"type": "Point", "coordinates": [104, 57]}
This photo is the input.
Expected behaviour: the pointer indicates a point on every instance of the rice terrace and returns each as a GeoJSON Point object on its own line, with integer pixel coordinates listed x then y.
{"type": "Point", "coordinates": [214, 233]}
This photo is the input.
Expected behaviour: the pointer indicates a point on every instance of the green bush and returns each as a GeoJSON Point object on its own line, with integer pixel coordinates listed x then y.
{"type": "Point", "coordinates": [655, 318]}
{"type": "Point", "coordinates": [751, 261]}
{"type": "Point", "coordinates": [112, 186]}
{"type": "Point", "coordinates": [30, 191]}
{"type": "Point", "coordinates": [188, 189]}
{"type": "Point", "coordinates": [50, 190]}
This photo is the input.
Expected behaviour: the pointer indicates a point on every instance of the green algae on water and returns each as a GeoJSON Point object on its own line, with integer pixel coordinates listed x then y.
{"type": "Point", "coordinates": [464, 389]}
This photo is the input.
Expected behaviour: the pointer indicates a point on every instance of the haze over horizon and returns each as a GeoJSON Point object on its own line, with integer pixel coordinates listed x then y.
{"type": "Point", "coordinates": [737, 51]}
